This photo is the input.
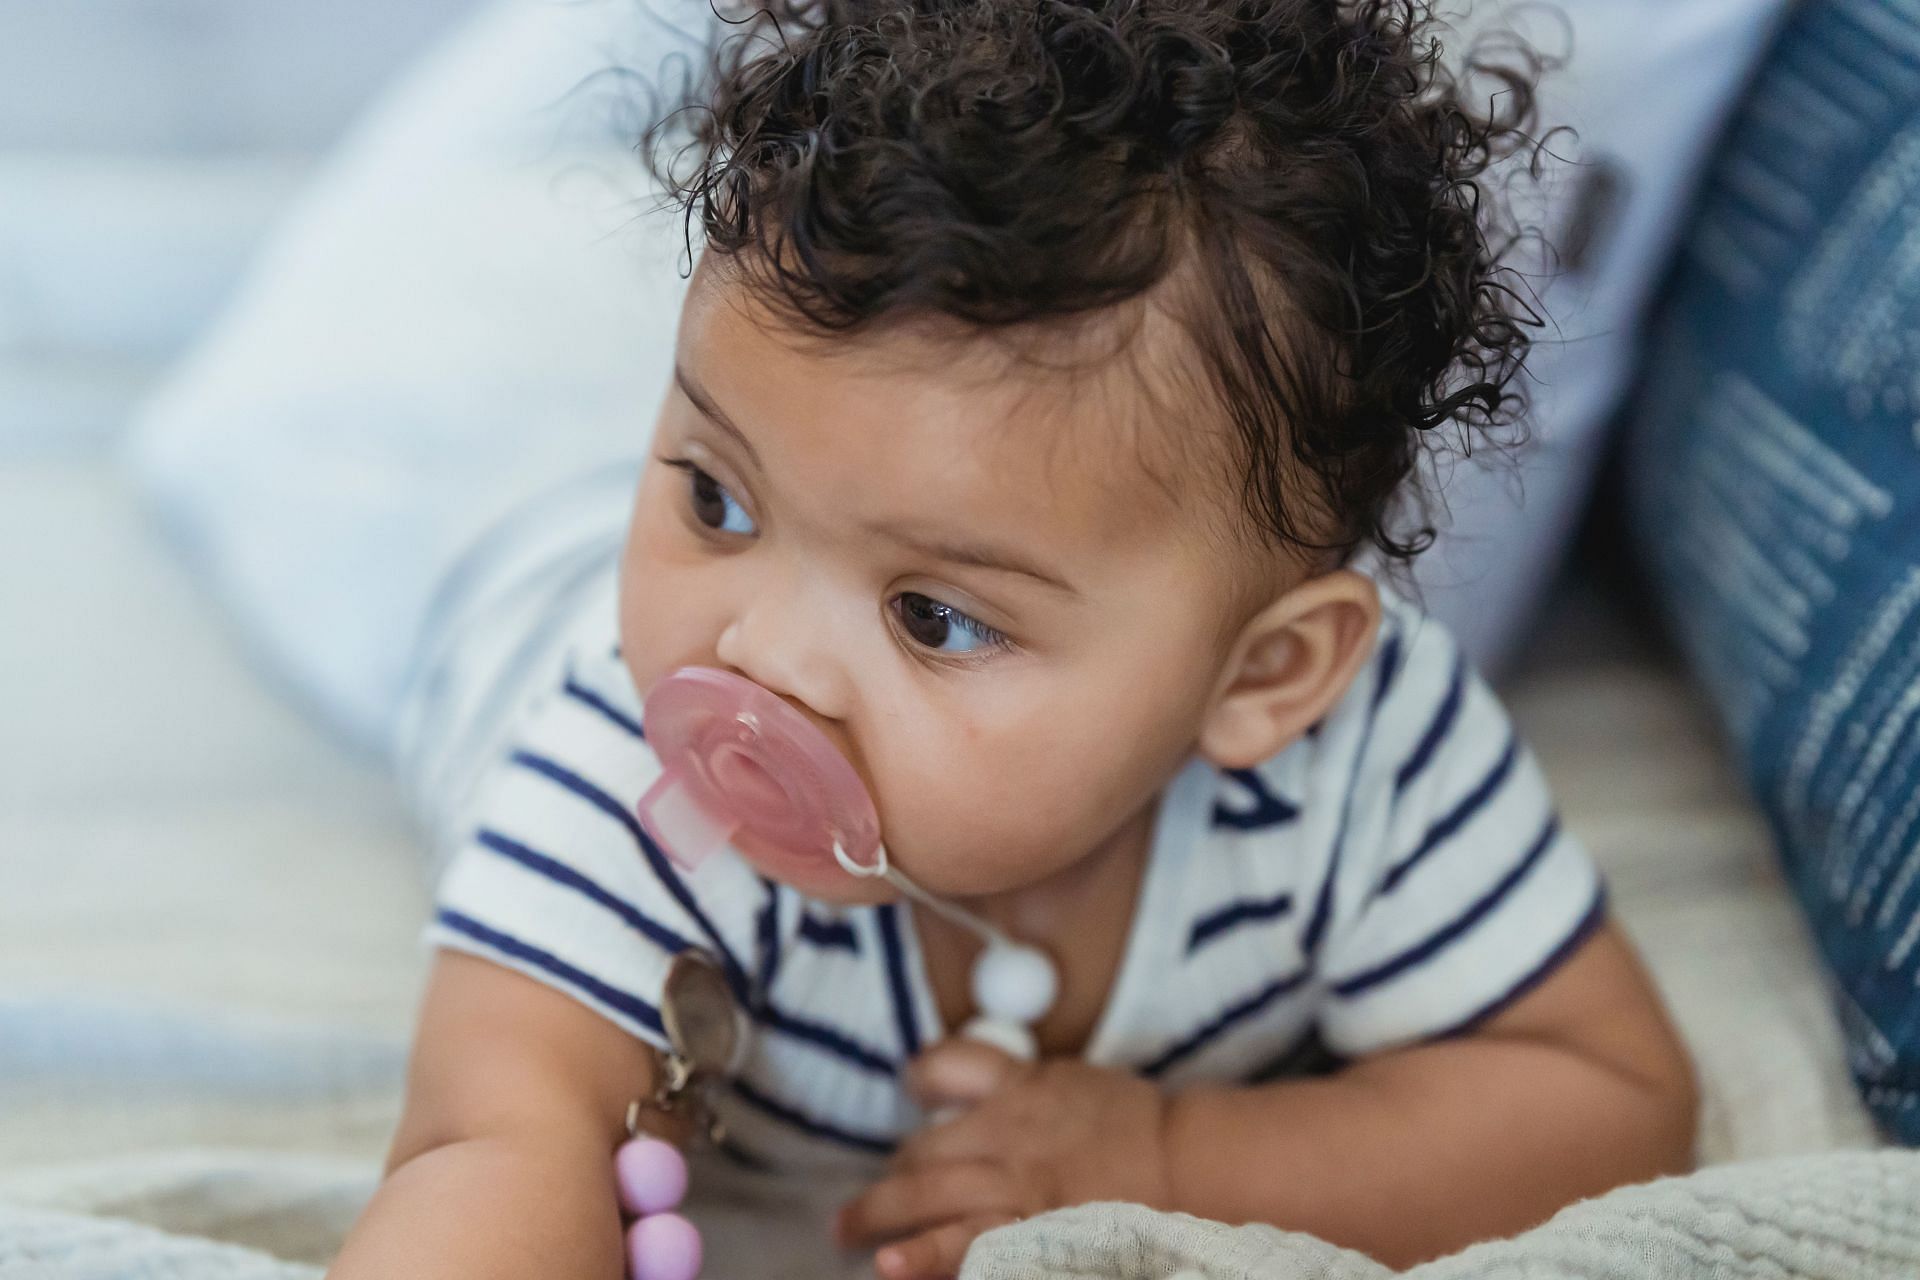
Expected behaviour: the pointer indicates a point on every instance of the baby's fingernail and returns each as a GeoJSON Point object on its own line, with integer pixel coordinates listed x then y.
{"type": "Point", "coordinates": [889, 1262]}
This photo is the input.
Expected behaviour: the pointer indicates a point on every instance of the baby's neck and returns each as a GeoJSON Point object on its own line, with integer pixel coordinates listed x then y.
{"type": "Point", "coordinates": [1040, 913]}
{"type": "Point", "coordinates": [1081, 916]}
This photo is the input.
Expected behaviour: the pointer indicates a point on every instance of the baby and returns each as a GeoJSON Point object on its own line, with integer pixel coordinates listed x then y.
{"type": "Point", "coordinates": [1047, 366]}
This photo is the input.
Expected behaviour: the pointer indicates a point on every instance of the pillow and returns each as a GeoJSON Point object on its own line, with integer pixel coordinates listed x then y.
{"type": "Point", "coordinates": [1646, 87]}
{"type": "Point", "coordinates": [467, 321]}
{"type": "Point", "coordinates": [1774, 474]}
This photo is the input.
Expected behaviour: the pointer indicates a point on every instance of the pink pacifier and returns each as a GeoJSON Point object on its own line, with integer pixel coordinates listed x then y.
{"type": "Point", "coordinates": [738, 759]}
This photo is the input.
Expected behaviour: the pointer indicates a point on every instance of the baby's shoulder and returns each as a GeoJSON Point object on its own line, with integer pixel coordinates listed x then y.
{"type": "Point", "coordinates": [1414, 713]}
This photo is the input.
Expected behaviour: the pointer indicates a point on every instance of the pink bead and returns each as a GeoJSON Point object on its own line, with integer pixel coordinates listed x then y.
{"type": "Point", "coordinates": [652, 1176]}
{"type": "Point", "coordinates": [664, 1246]}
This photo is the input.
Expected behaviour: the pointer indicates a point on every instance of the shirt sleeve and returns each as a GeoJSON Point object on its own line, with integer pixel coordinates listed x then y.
{"type": "Point", "coordinates": [558, 881]}
{"type": "Point", "coordinates": [1457, 889]}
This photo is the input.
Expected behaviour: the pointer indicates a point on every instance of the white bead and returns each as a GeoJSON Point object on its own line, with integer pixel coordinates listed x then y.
{"type": "Point", "coordinates": [1012, 983]}
{"type": "Point", "coordinates": [1010, 1038]}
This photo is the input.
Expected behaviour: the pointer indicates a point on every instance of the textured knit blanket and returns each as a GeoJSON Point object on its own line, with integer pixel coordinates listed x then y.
{"type": "Point", "coordinates": [1842, 1216]}
{"type": "Point", "coordinates": [1838, 1216]}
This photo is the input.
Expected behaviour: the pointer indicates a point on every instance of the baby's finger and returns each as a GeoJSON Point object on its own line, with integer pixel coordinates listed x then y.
{"type": "Point", "coordinates": [908, 1203]}
{"type": "Point", "coordinates": [969, 1135]}
{"type": "Point", "coordinates": [935, 1254]}
{"type": "Point", "coordinates": [959, 1072]}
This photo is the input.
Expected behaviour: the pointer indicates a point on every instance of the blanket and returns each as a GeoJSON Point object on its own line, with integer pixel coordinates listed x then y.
{"type": "Point", "coordinates": [1834, 1216]}
{"type": "Point", "coordinates": [1839, 1216]}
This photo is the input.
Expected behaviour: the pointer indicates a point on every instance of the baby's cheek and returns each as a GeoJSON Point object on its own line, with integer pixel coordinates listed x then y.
{"type": "Point", "coordinates": [970, 824]}
{"type": "Point", "coordinates": [666, 621]}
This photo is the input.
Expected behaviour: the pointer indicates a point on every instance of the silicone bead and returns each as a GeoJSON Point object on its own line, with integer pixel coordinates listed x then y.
{"type": "Point", "coordinates": [652, 1176]}
{"type": "Point", "coordinates": [1012, 983]}
{"type": "Point", "coordinates": [664, 1246]}
{"type": "Point", "coordinates": [1010, 1038]}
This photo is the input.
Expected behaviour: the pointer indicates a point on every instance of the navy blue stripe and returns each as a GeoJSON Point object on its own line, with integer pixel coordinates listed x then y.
{"type": "Point", "coordinates": [1474, 801]}
{"type": "Point", "coordinates": [662, 869]}
{"type": "Point", "coordinates": [826, 1037]}
{"type": "Point", "coordinates": [631, 1005]}
{"type": "Point", "coordinates": [1389, 664]}
{"type": "Point", "coordinates": [1451, 932]}
{"type": "Point", "coordinates": [788, 1114]}
{"type": "Point", "coordinates": [903, 1013]}
{"type": "Point", "coordinates": [766, 1015]}
{"type": "Point", "coordinates": [1242, 912]}
{"type": "Point", "coordinates": [1316, 930]}
{"type": "Point", "coordinates": [831, 1039]}
{"type": "Point", "coordinates": [829, 934]}
{"type": "Point", "coordinates": [558, 872]}
{"type": "Point", "coordinates": [1233, 1014]}
{"type": "Point", "coordinates": [1269, 810]}
{"type": "Point", "coordinates": [1590, 923]}
{"type": "Point", "coordinates": [580, 693]}
{"type": "Point", "coordinates": [1437, 731]}
{"type": "Point", "coordinates": [769, 939]}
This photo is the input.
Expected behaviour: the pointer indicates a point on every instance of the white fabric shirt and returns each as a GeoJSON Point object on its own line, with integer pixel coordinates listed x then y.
{"type": "Point", "coordinates": [1397, 875]}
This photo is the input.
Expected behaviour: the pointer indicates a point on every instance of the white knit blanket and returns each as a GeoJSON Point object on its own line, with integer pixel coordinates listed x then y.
{"type": "Point", "coordinates": [1845, 1216]}
{"type": "Point", "coordinates": [1838, 1216]}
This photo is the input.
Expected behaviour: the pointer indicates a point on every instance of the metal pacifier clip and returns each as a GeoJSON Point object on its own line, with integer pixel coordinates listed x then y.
{"type": "Point", "coordinates": [737, 759]}
{"type": "Point", "coordinates": [703, 1029]}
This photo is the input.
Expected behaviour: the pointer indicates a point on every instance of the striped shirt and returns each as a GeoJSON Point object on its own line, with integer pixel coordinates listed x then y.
{"type": "Point", "coordinates": [1398, 874]}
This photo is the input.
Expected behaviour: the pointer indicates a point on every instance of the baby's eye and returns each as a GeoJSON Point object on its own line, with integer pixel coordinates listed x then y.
{"type": "Point", "coordinates": [712, 505]}
{"type": "Point", "coordinates": [942, 627]}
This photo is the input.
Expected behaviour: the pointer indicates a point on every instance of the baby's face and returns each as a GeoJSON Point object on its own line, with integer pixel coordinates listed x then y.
{"type": "Point", "coordinates": [968, 572]}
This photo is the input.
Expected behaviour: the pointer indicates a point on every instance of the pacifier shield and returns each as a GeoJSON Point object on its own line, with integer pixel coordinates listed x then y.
{"type": "Point", "coordinates": [738, 759]}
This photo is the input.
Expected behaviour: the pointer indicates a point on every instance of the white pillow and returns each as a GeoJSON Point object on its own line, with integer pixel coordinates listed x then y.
{"type": "Point", "coordinates": [470, 309]}
{"type": "Point", "coordinates": [1646, 89]}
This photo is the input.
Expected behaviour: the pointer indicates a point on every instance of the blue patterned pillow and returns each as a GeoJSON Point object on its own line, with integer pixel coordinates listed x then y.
{"type": "Point", "coordinates": [1775, 479]}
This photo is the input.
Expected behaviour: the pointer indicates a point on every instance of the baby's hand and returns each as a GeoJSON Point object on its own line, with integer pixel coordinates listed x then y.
{"type": "Point", "coordinates": [1034, 1136]}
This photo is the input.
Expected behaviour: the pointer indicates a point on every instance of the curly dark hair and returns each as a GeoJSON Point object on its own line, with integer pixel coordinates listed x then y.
{"type": "Point", "coordinates": [997, 162]}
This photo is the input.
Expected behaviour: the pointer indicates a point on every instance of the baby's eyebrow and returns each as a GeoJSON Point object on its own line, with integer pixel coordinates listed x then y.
{"type": "Point", "coordinates": [981, 555]}
{"type": "Point", "coordinates": [711, 411]}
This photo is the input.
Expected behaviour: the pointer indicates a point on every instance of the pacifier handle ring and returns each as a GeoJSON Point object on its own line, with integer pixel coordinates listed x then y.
{"type": "Point", "coordinates": [880, 870]}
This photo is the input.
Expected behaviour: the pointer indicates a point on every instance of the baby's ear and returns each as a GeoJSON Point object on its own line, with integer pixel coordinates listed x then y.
{"type": "Point", "coordinates": [1293, 660]}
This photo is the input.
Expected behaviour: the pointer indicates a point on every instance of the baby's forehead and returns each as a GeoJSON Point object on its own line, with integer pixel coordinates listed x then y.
{"type": "Point", "coordinates": [1085, 437]}
{"type": "Point", "coordinates": [1109, 409]}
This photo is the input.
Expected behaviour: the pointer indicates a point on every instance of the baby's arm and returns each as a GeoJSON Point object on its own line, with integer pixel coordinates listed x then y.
{"type": "Point", "coordinates": [502, 1166]}
{"type": "Point", "coordinates": [1579, 1086]}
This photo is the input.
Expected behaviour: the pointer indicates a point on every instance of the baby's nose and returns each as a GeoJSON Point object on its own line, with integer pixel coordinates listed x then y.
{"type": "Point", "coordinates": [785, 655]}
